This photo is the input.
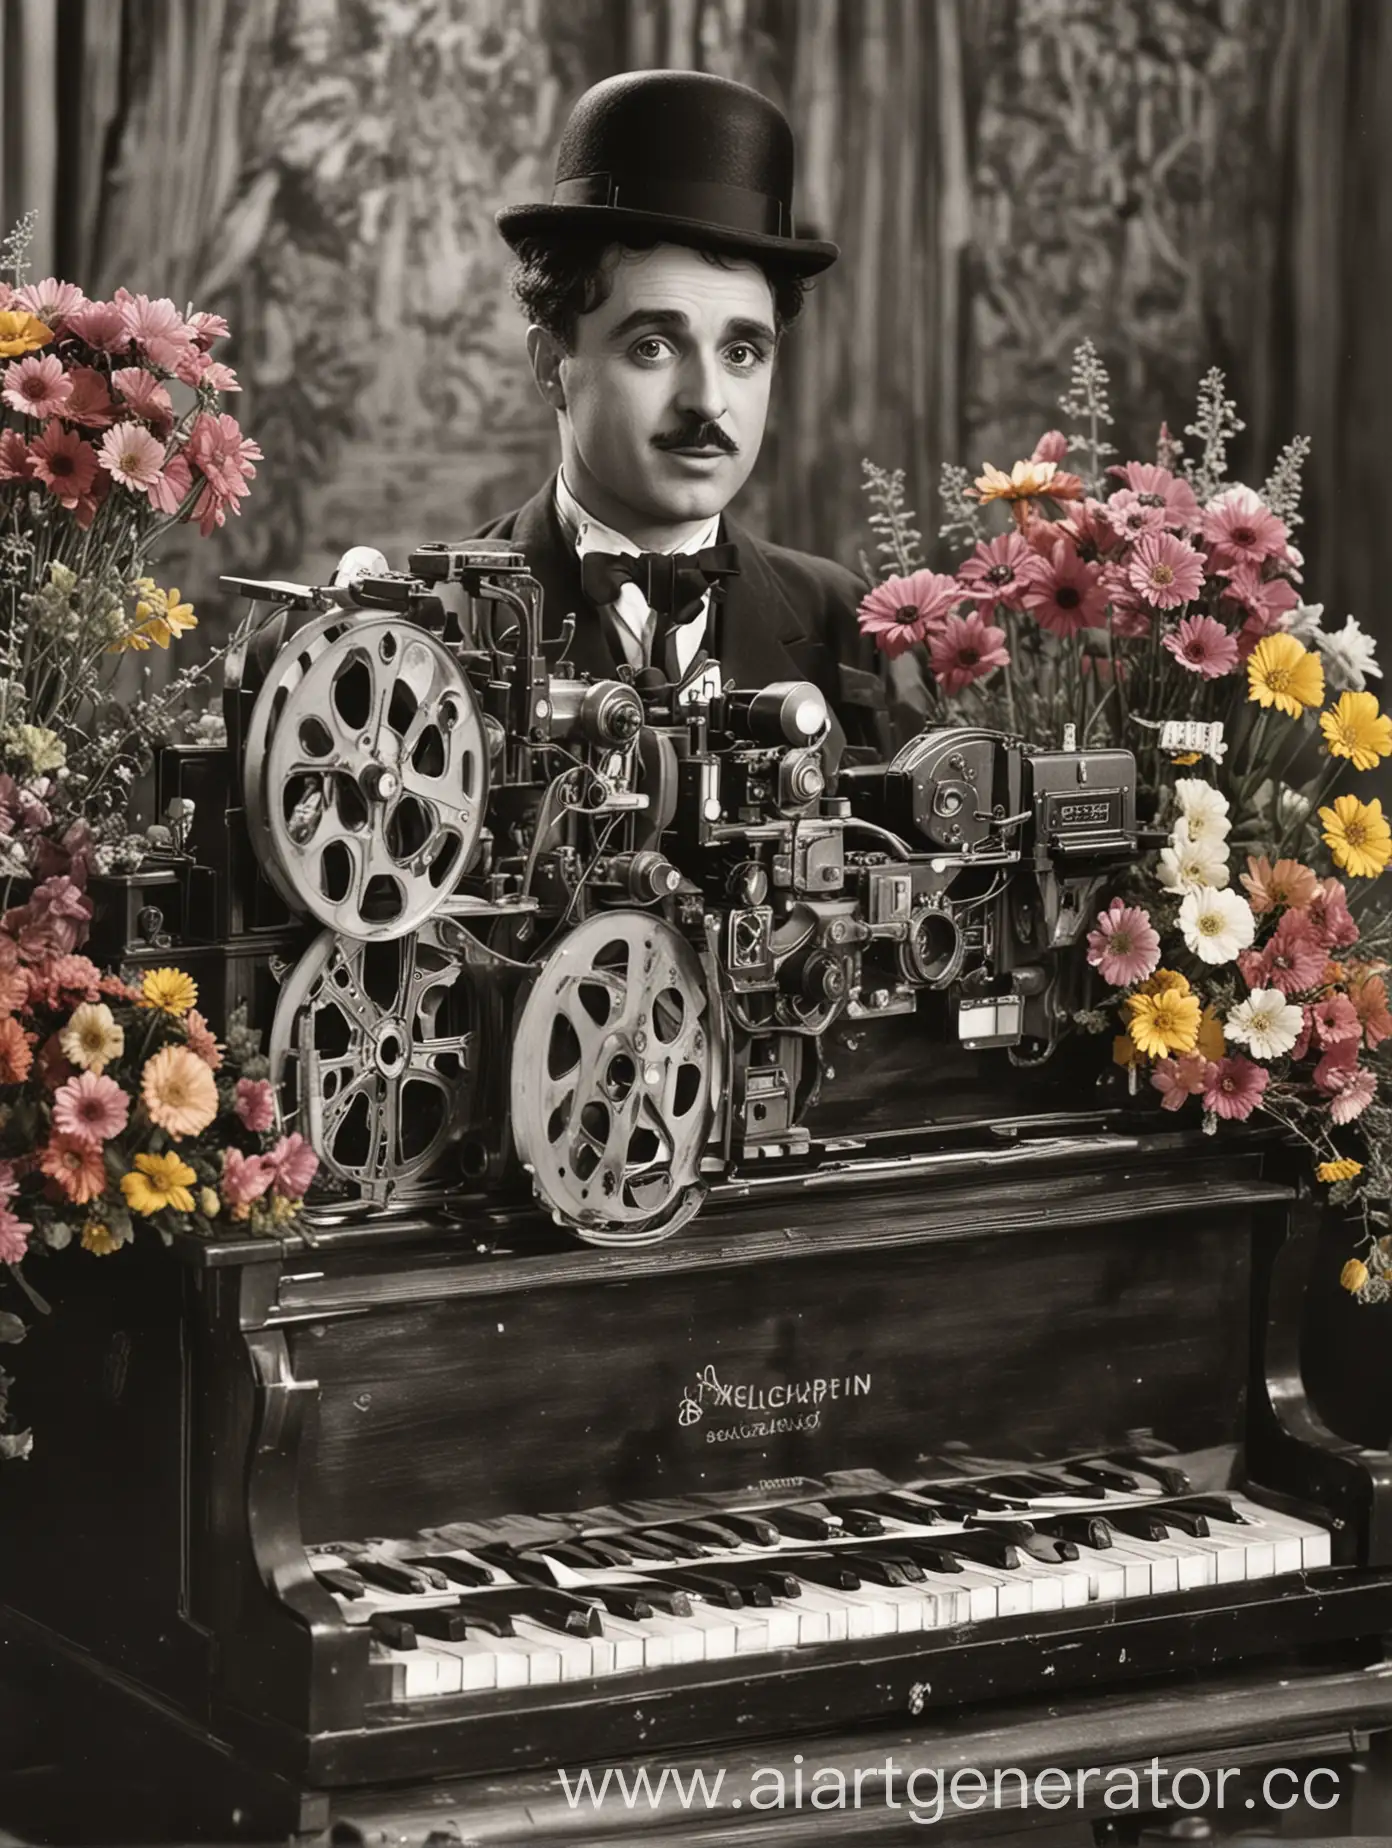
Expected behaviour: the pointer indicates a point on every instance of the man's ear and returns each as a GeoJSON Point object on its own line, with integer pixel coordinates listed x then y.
{"type": "Point", "coordinates": [546, 354]}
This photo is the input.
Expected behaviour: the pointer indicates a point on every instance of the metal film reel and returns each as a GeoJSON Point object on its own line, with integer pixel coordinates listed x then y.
{"type": "Point", "coordinates": [372, 1042]}
{"type": "Point", "coordinates": [366, 774]}
{"type": "Point", "coordinates": [617, 1066]}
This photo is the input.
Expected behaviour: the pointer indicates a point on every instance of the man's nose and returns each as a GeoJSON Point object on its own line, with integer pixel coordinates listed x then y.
{"type": "Point", "coordinates": [701, 387]}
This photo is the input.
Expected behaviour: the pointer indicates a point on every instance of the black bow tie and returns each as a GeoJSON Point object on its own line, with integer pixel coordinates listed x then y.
{"type": "Point", "coordinates": [673, 583]}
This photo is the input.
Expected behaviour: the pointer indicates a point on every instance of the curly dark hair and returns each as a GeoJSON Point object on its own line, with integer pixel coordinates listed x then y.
{"type": "Point", "coordinates": [556, 280]}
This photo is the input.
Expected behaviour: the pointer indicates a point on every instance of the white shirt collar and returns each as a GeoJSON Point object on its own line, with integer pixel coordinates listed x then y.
{"type": "Point", "coordinates": [592, 535]}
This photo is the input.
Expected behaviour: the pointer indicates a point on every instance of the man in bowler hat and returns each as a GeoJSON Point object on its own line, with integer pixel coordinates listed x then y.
{"type": "Point", "coordinates": [659, 281]}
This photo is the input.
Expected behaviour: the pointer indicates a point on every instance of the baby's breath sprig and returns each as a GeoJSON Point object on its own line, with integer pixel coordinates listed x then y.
{"type": "Point", "coordinates": [15, 247]}
{"type": "Point", "coordinates": [1282, 488]}
{"type": "Point", "coordinates": [900, 542]}
{"type": "Point", "coordinates": [1087, 403]}
{"type": "Point", "coordinates": [962, 522]}
{"type": "Point", "coordinates": [1216, 423]}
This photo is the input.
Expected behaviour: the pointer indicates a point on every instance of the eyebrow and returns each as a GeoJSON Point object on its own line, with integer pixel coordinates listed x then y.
{"type": "Point", "coordinates": [738, 329]}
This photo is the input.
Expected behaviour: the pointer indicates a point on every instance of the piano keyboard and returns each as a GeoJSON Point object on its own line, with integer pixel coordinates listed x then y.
{"type": "Point", "coordinates": [712, 1584]}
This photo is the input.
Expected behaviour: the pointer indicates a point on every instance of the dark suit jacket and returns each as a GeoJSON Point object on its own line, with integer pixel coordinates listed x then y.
{"type": "Point", "coordinates": [787, 616]}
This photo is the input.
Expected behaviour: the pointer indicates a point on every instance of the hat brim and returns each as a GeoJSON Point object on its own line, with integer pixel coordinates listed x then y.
{"type": "Point", "coordinates": [796, 256]}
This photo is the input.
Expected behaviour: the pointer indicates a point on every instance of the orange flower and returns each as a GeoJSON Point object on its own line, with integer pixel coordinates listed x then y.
{"type": "Point", "coordinates": [1368, 994]}
{"type": "Point", "coordinates": [179, 1092]}
{"type": "Point", "coordinates": [1285, 886]}
{"type": "Point", "coordinates": [76, 1166]}
{"type": "Point", "coordinates": [16, 1051]}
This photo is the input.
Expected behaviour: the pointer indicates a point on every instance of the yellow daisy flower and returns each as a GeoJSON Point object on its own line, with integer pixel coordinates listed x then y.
{"type": "Point", "coordinates": [1024, 482]}
{"type": "Point", "coordinates": [1354, 728]}
{"type": "Point", "coordinates": [1357, 835]}
{"type": "Point", "coordinates": [175, 620]}
{"type": "Point", "coordinates": [1165, 981]}
{"type": "Point", "coordinates": [170, 990]}
{"type": "Point", "coordinates": [1211, 1044]}
{"type": "Point", "coordinates": [1338, 1170]}
{"type": "Point", "coordinates": [1354, 1275]}
{"type": "Point", "coordinates": [92, 1038]}
{"type": "Point", "coordinates": [159, 1181]}
{"type": "Point", "coordinates": [21, 333]}
{"type": "Point", "coordinates": [1281, 673]}
{"type": "Point", "coordinates": [97, 1239]}
{"type": "Point", "coordinates": [1164, 1023]}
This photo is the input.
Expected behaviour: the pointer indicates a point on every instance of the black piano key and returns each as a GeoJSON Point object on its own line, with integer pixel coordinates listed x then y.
{"type": "Point", "coordinates": [1185, 1520]}
{"type": "Point", "coordinates": [857, 1521]}
{"type": "Point", "coordinates": [912, 1571]}
{"type": "Point", "coordinates": [392, 1575]}
{"type": "Point", "coordinates": [710, 1535]}
{"type": "Point", "coordinates": [676, 1543]}
{"type": "Point", "coordinates": [1048, 1548]}
{"type": "Point", "coordinates": [963, 1500]}
{"type": "Point", "coordinates": [802, 1524]}
{"type": "Point", "coordinates": [875, 1567]}
{"type": "Point", "coordinates": [899, 1508]}
{"type": "Point", "coordinates": [607, 1551]}
{"type": "Point", "coordinates": [445, 1624]}
{"type": "Point", "coordinates": [647, 1546]}
{"type": "Point", "coordinates": [984, 1548]}
{"type": "Point", "coordinates": [490, 1613]}
{"type": "Point", "coordinates": [669, 1600]}
{"type": "Point", "coordinates": [395, 1630]}
{"type": "Point", "coordinates": [753, 1529]}
{"type": "Point", "coordinates": [621, 1602]}
{"type": "Point", "coordinates": [531, 1568]}
{"type": "Point", "coordinates": [457, 1571]}
{"type": "Point", "coordinates": [1018, 1531]}
{"type": "Point", "coordinates": [1171, 1479]}
{"type": "Point", "coordinates": [1215, 1507]}
{"type": "Point", "coordinates": [1033, 1484]}
{"type": "Point", "coordinates": [556, 1610]}
{"type": "Point", "coordinates": [1139, 1523]}
{"type": "Point", "coordinates": [1092, 1530]}
{"type": "Point", "coordinates": [711, 1586]}
{"type": "Point", "coordinates": [1119, 1479]}
{"type": "Point", "coordinates": [753, 1577]}
{"type": "Point", "coordinates": [338, 1578]}
{"type": "Point", "coordinates": [933, 1556]}
{"type": "Point", "coordinates": [572, 1553]}
{"type": "Point", "coordinates": [827, 1569]}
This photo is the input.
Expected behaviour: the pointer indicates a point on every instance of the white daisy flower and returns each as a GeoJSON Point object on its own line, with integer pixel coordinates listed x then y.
{"type": "Point", "coordinates": [1265, 1023]}
{"type": "Point", "coordinates": [1203, 810]}
{"type": "Point", "coordinates": [1303, 622]}
{"type": "Point", "coordinates": [1186, 865]}
{"type": "Point", "coordinates": [1350, 656]}
{"type": "Point", "coordinates": [1215, 924]}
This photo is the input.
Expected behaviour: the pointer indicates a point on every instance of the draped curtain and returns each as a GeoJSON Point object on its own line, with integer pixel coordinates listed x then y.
{"type": "Point", "coordinates": [1189, 185]}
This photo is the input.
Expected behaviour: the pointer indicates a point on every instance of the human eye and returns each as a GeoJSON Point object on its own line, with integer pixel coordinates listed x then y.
{"type": "Point", "coordinates": [744, 356]}
{"type": "Point", "coordinates": [650, 349]}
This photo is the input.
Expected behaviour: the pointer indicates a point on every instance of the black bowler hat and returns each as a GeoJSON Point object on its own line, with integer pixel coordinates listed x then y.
{"type": "Point", "coordinates": [695, 158]}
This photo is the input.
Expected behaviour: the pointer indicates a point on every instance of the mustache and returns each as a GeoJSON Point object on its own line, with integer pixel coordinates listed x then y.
{"type": "Point", "coordinates": [698, 436]}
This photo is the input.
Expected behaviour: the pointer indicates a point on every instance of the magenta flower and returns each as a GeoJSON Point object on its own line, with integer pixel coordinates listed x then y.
{"type": "Point", "coordinates": [1233, 1087]}
{"type": "Point", "coordinates": [900, 612]}
{"type": "Point", "coordinates": [1160, 488]}
{"type": "Point", "coordinates": [132, 456]}
{"type": "Point", "coordinates": [63, 463]}
{"type": "Point", "coordinates": [91, 1108]}
{"type": "Point", "coordinates": [1292, 959]}
{"type": "Point", "coordinates": [156, 327]}
{"type": "Point", "coordinates": [965, 649]}
{"type": "Point", "coordinates": [293, 1166]}
{"type": "Point", "coordinates": [1329, 917]}
{"type": "Point", "coordinates": [36, 386]}
{"type": "Point", "coordinates": [995, 571]}
{"type": "Point", "coordinates": [1165, 571]}
{"type": "Point", "coordinates": [1177, 1080]}
{"type": "Point", "coordinates": [1336, 1019]}
{"type": "Point", "coordinates": [1241, 529]}
{"type": "Point", "coordinates": [1130, 517]}
{"type": "Point", "coordinates": [102, 326]}
{"type": "Point", "coordinates": [1204, 646]}
{"type": "Point", "coordinates": [1124, 946]}
{"type": "Point", "coordinates": [254, 1104]}
{"type": "Point", "coordinates": [1064, 592]}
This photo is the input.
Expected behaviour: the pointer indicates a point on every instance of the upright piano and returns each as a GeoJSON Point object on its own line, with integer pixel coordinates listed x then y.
{"type": "Point", "coordinates": [988, 1448]}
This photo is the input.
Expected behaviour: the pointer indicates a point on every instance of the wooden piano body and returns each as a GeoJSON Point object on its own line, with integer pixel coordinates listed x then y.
{"type": "Point", "coordinates": [209, 1415]}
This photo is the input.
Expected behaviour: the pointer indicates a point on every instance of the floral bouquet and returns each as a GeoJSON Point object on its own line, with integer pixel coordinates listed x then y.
{"type": "Point", "coordinates": [118, 1107]}
{"type": "Point", "coordinates": [1157, 605]}
{"type": "Point", "coordinates": [110, 435]}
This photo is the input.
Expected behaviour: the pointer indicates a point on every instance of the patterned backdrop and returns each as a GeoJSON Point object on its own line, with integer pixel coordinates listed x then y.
{"type": "Point", "coordinates": [1187, 181]}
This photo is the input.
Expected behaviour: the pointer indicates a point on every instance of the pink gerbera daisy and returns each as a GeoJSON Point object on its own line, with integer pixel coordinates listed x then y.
{"type": "Point", "coordinates": [1165, 571]}
{"type": "Point", "coordinates": [1356, 1090]}
{"type": "Point", "coordinates": [91, 1108]}
{"type": "Point", "coordinates": [102, 326]}
{"type": "Point", "coordinates": [168, 492]}
{"type": "Point", "coordinates": [898, 613]}
{"type": "Point", "coordinates": [294, 1165]}
{"type": "Point", "coordinates": [1369, 996]}
{"type": "Point", "coordinates": [1241, 529]}
{"type": "Point", "coordinates": [36, 386]}
{"type": "Point", "coordinates": [52, 301]}
{"type": "Point", "coordinates": [1124, 946]}
{"type": "Point", "coordinates": [1158, 487]}
{"type": "Point", "coordinates": [1204, 646]}
{"type": "Point", "coordinates": [993, 574]}
{"type": "Point", "coordinates": [1333, 924]}
{"type": "Point", "coordinates": [1233, 1087]}
{"type": "Point", "coordinates": [14, 1236]}
{"type": "Point", "coordinates": [64, 463]}
{"type": "Point", "coordinates": [244, 1179]}
{"type": "Point", "coordinates": [14, 457]}
{"type": "Point", "coordinates": [132, 455]}
{"type": "Point", "coordinates": [202, 1041]}
{"type": "Point", "coordinates": [1131, 518]}
{"type": "Point", "coordinates": [76, 1166]}
{"type": "Point", "coordinates": [1292, 960]}
{"type": "Point", "coordinates": [254, 1103]}
{"type": "Point", "coordinates": [1336, 1019]}
{"type": "Point", "coordinates": [156, 326]}
{"type": "Point", "coordinates": [90, 402]}
{"type": "Point", "coordinates": [1065, 593]}
{"type": "Point", "coordinates": [965, 649]}
{"type": "Point", "coordinates": [198, 368]}
{"type": "Point", "coordinates": [206, 328]}
{"type": "Point", "coordinates": [1051, 447]}
{"type": "Point", "coordinates": [143, 392]}
{"type": "Point", "coordinates": [1177, 1080]}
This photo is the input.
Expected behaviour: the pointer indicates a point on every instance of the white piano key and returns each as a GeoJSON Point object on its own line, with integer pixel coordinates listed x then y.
{"type": "Point", "coordinates": [576, 1653]}
{"type": "Point", "coordinates": [1161, 1568]}
{"type": "Point", "coordinates": [718, 1634]}
{"type": "Point", "coordinates": [421, 1673]}
{"type": "Point", "coordinates": [482, 1668]}
{"type": "Point", "coordinates": [1102, 1582]}
{"type": "Point", "coordinates": [686, 1639]}
{"type": "Point", "coordinates": [1285, 1534]}
{"type": "Point", "coordinates": [654, 1649]}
